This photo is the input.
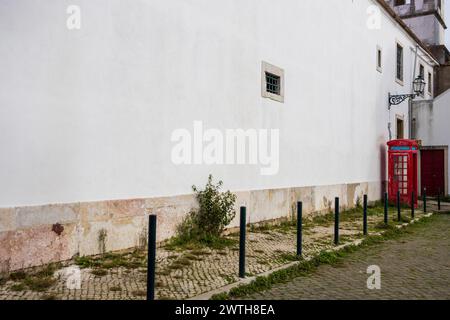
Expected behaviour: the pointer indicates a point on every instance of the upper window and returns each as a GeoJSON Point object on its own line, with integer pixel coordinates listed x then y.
{"type": "Point", "coordinates": [379, 59]}
{"type": "Point", "coordinates": [422, 73]}
{"type": "Point", "coordinates": [399, 3]}
{"type": "Point", "coordinates": [430, 83]}
{"type": "Point", "coordinates": [272, 82]}
{"type": "Point", "coordinates": [399, 70]}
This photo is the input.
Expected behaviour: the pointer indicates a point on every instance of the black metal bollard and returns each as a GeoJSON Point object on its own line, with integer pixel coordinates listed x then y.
{"type": "Point", "coordinates": [365, 215]}
{"type": "Point", "coordinates": [299, 228]}
{"type": "Point", "coordinates": [413, 202]}
{"type": "Point", "coordinates": [243, 226]}
{"type": "Point", "coordinates": [336, 221]}
{"type": "Point", "coordinates": [151, 257]}
{"type": "Point", "coordinates": [425, 200]}
{"type": "Point", "coordinates": [439, 199]}
{"type": "Point", "coordinates": [399, 210]}
{"type": "Point", "coordinates": [386, 208]}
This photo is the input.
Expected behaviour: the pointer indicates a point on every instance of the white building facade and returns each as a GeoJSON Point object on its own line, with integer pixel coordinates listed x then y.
{"type": "Point", "coordinates": [87, 115]}
{"type": "Point", "coordinates": [425, 17]}
{"type": "Point", "coordinates": [431, 127]}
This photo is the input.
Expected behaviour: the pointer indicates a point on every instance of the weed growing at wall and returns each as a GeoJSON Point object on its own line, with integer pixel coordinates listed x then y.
{"type": "Point", "coordinates": [206, 224]}
{"type": "Point", "coordinates": [102, 234]}
{"type": "Point", "coordinates": [36, 281]}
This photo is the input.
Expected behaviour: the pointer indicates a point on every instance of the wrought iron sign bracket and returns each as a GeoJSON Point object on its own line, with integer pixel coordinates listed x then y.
{"type": "Point", "coordinates": [396, 99]}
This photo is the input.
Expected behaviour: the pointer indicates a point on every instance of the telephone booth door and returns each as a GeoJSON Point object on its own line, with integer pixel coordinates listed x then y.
{"type": "Point", "coordinates": [403, 171]}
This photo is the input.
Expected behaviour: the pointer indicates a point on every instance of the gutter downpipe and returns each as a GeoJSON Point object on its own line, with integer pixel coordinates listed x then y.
{"type": "Point", "coordinates": [410, 101]}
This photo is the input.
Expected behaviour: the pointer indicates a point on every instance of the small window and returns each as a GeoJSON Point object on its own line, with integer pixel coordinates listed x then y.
{"type": "Point", "coordinates": [399, 70]}
{"type": "Point", "coordinates": [272, 82]}
{"type": "Point", "coordinates": [399, 3]}
{"type": "Point", "coordinates": [430, 83]}
{"type": "Point", "coordinates": [379, 59]}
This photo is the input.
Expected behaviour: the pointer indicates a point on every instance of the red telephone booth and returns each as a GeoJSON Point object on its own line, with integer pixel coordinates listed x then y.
{"type": "Point", "coordinates": [403, 170]}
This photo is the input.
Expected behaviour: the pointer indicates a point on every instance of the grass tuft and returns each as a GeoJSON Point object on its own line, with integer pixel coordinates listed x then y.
{"type": "Point", "coordinates": [18, 287]}
{"type": "Point", "coordinates": [17, 276]}
{"type": "Point", "coordinates": [139, 293]}
{"type": "Point", "coordinates": [99, 272]}
{"type": "Point", "coordinates": [39, 283]}
{"type": "Point", "coordinates": [215, 243]}
{"type": "Point", "coordinates": [115, 289]}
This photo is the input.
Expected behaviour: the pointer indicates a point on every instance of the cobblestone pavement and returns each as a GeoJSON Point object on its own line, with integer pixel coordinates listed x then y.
{"type": "Point", "coordinates": [417, 266]}
{"type": "Point", "coordinates": [187, 273]}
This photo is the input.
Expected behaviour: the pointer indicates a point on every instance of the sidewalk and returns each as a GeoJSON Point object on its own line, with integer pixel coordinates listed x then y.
{"type": "Point", "coordinates": [417, 267]}
{"type": "Point", "coordinates": [183, 274]}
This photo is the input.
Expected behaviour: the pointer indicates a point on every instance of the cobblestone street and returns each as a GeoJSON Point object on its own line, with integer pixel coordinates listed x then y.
{"type": "Point", "coordinates": [188, 272]}
{"type": "Point", "coordinates": [417, 266]}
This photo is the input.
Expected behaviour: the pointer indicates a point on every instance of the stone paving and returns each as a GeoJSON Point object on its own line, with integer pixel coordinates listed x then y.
{"type": "Point", "coordinates": [184, 273]}
{"type": "Point", "coordinates": [416, 267]}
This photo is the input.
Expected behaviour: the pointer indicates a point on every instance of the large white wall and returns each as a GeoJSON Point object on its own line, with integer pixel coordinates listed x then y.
{"type": "Point", "coordinates": [447, 18]}
{"type": "Point", "coordinates": [428, 28]}
{"type": "Point", "coordinates": [88, 114]}
{"type": "Point", "coordinates": [433, 123]}
{"type": "Point", "coordinates": [433, 127]}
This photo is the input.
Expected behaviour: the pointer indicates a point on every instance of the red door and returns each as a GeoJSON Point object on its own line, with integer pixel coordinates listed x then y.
{"type": "Point", "coordinates": [433, 175]}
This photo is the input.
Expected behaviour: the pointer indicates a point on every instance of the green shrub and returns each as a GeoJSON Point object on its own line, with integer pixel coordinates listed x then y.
{"type": "Point", "coordinates": [215, 212]}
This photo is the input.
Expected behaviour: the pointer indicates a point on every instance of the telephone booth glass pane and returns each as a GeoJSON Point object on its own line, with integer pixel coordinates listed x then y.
{"type": "Point", "coordinates": [401, 173]}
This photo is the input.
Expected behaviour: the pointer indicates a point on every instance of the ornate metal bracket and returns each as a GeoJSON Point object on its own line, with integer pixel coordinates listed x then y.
{"type": "Point", "coordinates": [399, 98]}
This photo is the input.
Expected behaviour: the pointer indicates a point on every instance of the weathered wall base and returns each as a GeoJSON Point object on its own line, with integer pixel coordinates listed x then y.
{"type": "Point", "coordinates": [29, 235]}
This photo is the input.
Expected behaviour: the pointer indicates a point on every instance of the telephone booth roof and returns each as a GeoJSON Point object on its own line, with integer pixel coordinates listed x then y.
{"type": "Point", "coordinates": [403, 145]}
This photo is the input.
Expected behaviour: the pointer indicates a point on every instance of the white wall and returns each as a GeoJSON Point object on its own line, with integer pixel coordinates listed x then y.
{"type": "Point", "coordinates": [433, 123]}
{"type": "Point", "coordinates": [88, 114]}
{"type": "Point", "coordinates": [428, 29]}
{"type": "Point", "coordinates": [447, 19]}
{"type": "Point", "coordinates": [434, 129]}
